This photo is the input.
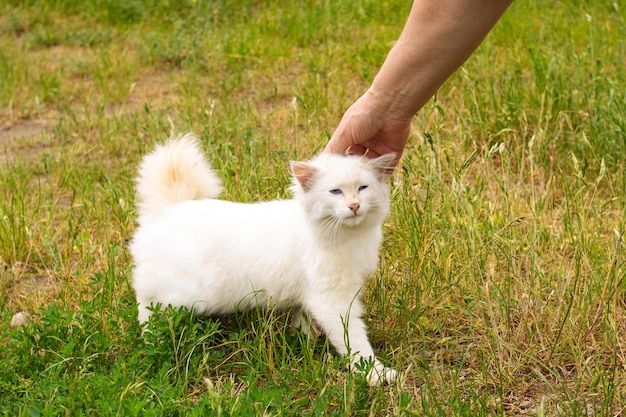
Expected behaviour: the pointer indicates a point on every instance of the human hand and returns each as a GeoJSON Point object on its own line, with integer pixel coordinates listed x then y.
{"type": "Point", "coordinates": [366, 129]}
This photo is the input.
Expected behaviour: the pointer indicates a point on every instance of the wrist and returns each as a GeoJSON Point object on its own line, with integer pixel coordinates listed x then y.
{"type": "Point", "coordinates": [391, 103]}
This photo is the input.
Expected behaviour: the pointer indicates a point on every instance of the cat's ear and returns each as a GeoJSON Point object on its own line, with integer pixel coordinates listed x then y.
{"type": "Point", "coordinates": [383, 165]}
{"type": "Point", "coordinates": [303, 172]}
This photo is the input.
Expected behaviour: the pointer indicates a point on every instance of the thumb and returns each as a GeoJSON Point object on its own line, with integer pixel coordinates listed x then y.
{"type": "Point", "coordinates": [337, 144]}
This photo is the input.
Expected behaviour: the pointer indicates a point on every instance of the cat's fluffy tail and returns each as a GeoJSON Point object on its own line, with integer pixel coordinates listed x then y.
{"type": "Point", "coordinates": [176, 171]}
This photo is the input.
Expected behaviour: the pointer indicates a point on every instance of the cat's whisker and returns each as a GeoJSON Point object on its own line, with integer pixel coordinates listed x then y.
{"type": "Point", "coordinates": [330, 227]}
{"type": "Point", "coordinates": [336, 224]}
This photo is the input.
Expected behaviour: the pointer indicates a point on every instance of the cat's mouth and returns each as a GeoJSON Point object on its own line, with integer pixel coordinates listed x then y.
{"type": "Point", "coordinates": [353, 219]}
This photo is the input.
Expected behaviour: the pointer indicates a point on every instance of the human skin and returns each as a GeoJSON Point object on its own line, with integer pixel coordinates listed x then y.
{"type": "Point", "coordinates": [437, 39]}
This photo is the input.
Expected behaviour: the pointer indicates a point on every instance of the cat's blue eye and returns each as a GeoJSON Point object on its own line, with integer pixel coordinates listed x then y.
{"type": "Point", "coordinates": [336, 191]}
{"type": "Point", "coordinates": [362, 187]}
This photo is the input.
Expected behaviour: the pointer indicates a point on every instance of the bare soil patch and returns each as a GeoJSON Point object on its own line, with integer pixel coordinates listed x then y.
{"type": "Point", "coordinates": [19, 129]}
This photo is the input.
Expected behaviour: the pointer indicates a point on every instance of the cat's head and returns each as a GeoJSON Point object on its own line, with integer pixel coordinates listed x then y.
{"type": "Point", "coordinates": [341, 190]}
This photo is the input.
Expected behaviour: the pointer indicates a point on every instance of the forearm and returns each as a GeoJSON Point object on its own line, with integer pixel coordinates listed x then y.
{"type": "Point", "coordinates": [438, 37]}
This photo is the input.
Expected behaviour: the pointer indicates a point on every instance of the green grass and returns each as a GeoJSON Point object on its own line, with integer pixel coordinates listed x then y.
{"type": "Point", "coordinates": [501, 286]}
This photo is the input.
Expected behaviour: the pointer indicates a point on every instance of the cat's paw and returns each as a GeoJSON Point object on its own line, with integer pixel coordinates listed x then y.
{"type": "Point", "coordinates": [380, 374]}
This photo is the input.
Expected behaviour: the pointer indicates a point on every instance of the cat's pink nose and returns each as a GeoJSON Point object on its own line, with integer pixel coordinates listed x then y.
{"type": "Point", "coordinates": [354, 207]}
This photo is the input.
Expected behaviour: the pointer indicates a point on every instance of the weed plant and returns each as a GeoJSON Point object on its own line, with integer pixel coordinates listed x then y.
{"type": "Point", "coordinates": [501, 284]}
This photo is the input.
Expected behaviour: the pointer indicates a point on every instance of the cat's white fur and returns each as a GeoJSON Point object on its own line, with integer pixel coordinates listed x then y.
{"type": "Point", "coordinates": [312, 253]}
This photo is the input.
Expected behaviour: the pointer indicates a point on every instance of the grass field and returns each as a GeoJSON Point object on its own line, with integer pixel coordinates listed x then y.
{"type": "Point", "coordinates": [501, 287]}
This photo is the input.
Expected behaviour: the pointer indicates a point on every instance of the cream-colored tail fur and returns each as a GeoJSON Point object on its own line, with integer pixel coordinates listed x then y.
{"type": "Point", "coordinates": [176, 171]}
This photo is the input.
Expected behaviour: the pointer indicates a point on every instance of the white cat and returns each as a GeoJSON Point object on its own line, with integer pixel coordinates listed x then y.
{"type": "Point", "coordinates": [311, 254]}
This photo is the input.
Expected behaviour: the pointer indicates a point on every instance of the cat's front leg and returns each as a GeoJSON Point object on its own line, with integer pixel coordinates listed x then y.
{"type": "Point", "coordinates": [380, 374]}
{"type": "Point", "coordinates": [347, 333]}
{"type": "Point", "coordinates": [301, 320]}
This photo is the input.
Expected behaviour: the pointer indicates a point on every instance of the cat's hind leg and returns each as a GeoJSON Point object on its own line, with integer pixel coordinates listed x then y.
{"type": "Point", "coordinates": [144, 313]}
